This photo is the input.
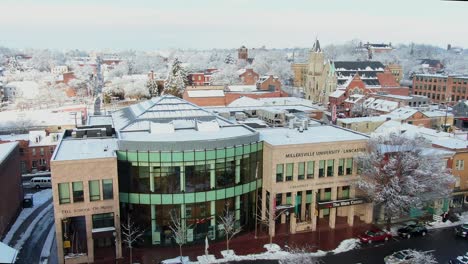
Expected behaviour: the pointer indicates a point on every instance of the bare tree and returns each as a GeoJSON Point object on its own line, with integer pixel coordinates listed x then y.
{"type": "Point", "coordinates": [179, 230]}
{"type": "Point", "coordinates": [270, 217]}
{"type": "Point", "coordinates": [228, 222]}
{"type": "Point", "coordinates": [397, 175]}
{"type": "Point", "coordinates": [131, 233]}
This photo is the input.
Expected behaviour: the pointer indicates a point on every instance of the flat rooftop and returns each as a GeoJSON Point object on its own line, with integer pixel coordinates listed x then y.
{"type": "Point", "coordinates": [313, 134]}
{"type": "Point", "coordinates": [85, 148]}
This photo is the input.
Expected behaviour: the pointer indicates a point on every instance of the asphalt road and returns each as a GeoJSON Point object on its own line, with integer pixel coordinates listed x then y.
{"type": "Point", "coordinates": [443, 242]}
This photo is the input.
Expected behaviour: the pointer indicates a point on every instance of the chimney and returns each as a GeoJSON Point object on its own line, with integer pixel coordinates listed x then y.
{"type": "Point", "coordinates": [449, 46]}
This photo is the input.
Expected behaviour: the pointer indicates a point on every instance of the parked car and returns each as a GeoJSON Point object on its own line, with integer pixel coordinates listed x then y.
{"type": "Point", "coordinates": [459, 260]}
{"type": "Point", "coordinates": [374, 235]}
{"type": "Point", "coordinates": [462, 231]}
{"type": "Point", "coordinates": [400, 257]}
{"type": "Point", "coordinates": [412, 230]}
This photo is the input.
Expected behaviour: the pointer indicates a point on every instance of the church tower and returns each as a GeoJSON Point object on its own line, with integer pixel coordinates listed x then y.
{"type": "Point", "coordinates": [242, 53]}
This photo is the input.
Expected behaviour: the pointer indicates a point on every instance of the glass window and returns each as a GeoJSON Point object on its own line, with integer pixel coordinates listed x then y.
{"type": "Point", "coordinates": [345, 192]}
{"type": "Point", "coordinates": [103, 220]}
{"type": "Point", "coordinates": [94, 192]}
{"type": "Point", "coordinates": [279, 172]}
{"type": "Point", "coordinates": [41, 150]}
{"type": "Point", "coordinates": [341, 167]}
{"type": "Point", "coordinates": [197, 178]}
{"type": "Point", "coordinates": [301, 170]}
{"type": "Point", "coordinates": [107, 189]}
{"type": "Point", "coordinates": [330, 164]}
{"type": "Point", "coordinates": [349, 166]}
{"type": "Point", "coordinates": [33, 151]}
{"type": "Point", "coordinates": [64, 193]}
{"type": "Point", "coordinates": [289, 171]}
{"type": "Point", "coordinates": [77, 192]}
{"type": "Point", "coordinates": [310, 169]}
{"type": "Point", "coordinates": [166, 179]}
{"type": "Point", "coordinates": [225, 174]}
{"type": "Point", "coordinates": [321, 168]}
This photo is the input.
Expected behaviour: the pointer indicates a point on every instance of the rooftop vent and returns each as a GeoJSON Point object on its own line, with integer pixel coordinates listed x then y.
{"type": "Point", "coordinates": [162, 128]}
{"type": "Point", "coordinates": [211, 126]}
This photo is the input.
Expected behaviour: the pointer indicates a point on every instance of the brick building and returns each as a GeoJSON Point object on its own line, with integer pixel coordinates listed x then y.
{"type": "Point", "coordinates": [269, 83]}
{"type": "Point", "coordinates": [35, 149]}
{"type": "Point", "coordinates": [441, 88]}
{"type": "Point", "coordinates": [248, 76]}
{"type": "Point", "coordinates": [11, 191]}
{"type": "Point", "coordinates": [200, 78]}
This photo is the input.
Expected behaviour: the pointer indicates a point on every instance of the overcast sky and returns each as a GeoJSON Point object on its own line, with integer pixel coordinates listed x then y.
{"type": "Point", "coordinates": [206, 24]}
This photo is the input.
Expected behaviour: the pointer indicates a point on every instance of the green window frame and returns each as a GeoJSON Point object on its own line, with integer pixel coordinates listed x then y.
{"type": "Point", "coordinates": [330, 167]}
{"type": "Point", "coordinates": [107, 189]}
{"type": "Point", "coordinates": [310, 169]}
{"type": "Point", "coordinates": [289, 171]}
{"type": "Point", "coordinates": [279, 172]}
{"type": "Point", "coordinates": [341, 164]}
{"type": "Point", "coordinates": [301, 171]}
{"type": "Point", "coordinates": [345, 192]}
{"type": "Point", "coordinates": [77, 188]}
{"type": "Point", "coordinates": [349, 166]}
{"type": "Point", "coordinates": [94, 191]}
{"type": "Point", "coordinates": [321, 169]}
{"type": "Point", "coordinates": [64, 193]}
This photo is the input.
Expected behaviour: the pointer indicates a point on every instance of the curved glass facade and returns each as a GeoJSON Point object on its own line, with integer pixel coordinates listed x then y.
{"type": "Point", "coordinates": [198, 184]}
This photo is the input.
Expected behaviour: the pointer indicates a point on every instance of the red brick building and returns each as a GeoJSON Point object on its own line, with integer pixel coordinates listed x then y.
{"type": "Point", "coordinates": [441, 88]}
{"type": "Point", "coordinates": [11, 190]}
{"type": "Point", "coordinates": [248, 76]}
{"type": "Point", "coordinates": [269, 83]}
{"type": "Point", "coordinates": [35, 149]}
{"type": "Point", "coordinates": [201, 78]}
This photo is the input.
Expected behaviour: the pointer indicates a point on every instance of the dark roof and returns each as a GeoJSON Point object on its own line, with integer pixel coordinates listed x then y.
{"type": "Point", "coordinates": [377, 45]}
{"type": "Point", "coordinates": [431, 62]}
{"type": "Point", "coordinates": [366, 81]}
{"type": "Point", "coordinates": [316, 47]}
{"type": "Point", "coordinates": [355, 65]}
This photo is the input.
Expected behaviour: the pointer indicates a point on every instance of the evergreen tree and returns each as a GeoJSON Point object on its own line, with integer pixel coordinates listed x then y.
{"type": "Point", "coordinates": [176, 80]}
{"type": "Point", "coordinates": [229, 59]}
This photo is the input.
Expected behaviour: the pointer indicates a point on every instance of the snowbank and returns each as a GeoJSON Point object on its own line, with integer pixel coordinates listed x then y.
{"type": "Point", "coordinates": [436, 224]}
{"type": "Point", "coordinates": [39, 199]}
{"type": "Point", "coordinates": [346, 245]}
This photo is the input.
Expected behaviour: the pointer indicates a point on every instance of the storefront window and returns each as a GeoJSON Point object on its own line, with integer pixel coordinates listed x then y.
{"type": "Point", "coordinates": [64, 193]}
{"type": "Point", "coordinates": [225, 174]}
{"type": "Point", "coordinates": [330, 164]}
{"type": "Point", "coordinates": [349, 166]}
{"type": "Point", "coordinates": [289, 171]}
{"type": "Point", "coordinates": [103, 220]}
{"type": "Point", "coordinates": [197, 178]}
{"type": "Point", "coordinates": [301, 171]}
{"type": "Point", "coordinates": [279, 172]}
{"type": "Point", "coordinates": [94, 192]}
{"type": "Point", "coordinates": [166, 179]}
{"type": "Point", "coordinates": [77, 192]}
{"type": "Point", "coordinates": [321, 168]}
{"type": "Point", "coordinates": [341, 167]}
{"type": "Point", "coordinates": [107, 189]}
{"type": "Point", "coordinates": [310, 169]}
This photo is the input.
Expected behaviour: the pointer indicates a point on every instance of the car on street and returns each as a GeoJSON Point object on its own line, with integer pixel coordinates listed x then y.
{"type": "Point", "coordinates": [460, 260]}
{"type": "Point", "coordinates": [374, 235]}
{"type": "Point", "coordinates": [462, 231]}
{"type": "Point", "coordinates": [412, 230]}
{"type": "Point", "coordinates": [400, 257]}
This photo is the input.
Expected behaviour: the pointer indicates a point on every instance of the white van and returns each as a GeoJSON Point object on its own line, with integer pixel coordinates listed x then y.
{"type": "Point", "coordinates": [40, 182]}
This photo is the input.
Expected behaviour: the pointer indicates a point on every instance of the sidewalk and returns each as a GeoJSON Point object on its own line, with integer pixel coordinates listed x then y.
{"type": "Point", "coordinates": [325, 239]}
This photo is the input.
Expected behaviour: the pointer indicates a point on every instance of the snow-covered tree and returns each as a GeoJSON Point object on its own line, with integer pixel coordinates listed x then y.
{"type": "Point", "coordinates": [130, 235]}
{"type": "Point", "coordinates": [396, 175]}
{"type": "Point", "coordinates": [179, 230]}
{"type": "Point", "coordinates": [176, 79]}
{"type": "Point", "coordinates": [45, 60]}
{"type": "Point", "coordinates": [84, 81]}
{"type": "Point", "coordinates": [229, 59]}
{"type": "Point", "coordinates": [152, 87]}
{"type": "Point", "coordinates": [226, 76]}
{"type": "Point", "coordinates": [422, 257]}
{"type": "Point", "coordinates": [229, 225]}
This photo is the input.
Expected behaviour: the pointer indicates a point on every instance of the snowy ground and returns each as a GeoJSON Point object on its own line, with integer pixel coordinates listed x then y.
{"type": "Point", "coordinates": [462, 219]}
{"type": "Point", "coordinates": [275, 252]}
{"type": "Point", "coordinates": [39, 199]}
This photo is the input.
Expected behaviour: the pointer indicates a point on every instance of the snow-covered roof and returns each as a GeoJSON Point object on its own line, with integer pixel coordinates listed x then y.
{"type": "Point", "coordinates": [354, 98]}
{"type": "Point", "coordinates": [436, 113]}
{"type": "Point", "coordinates": [369, 119]}
{"type": "Point", "coordinates": [380, 105]}
{"type": "Point", "coordinates": [14, 137]}
{"type": "Point", "coordinates": [99, 120]}
{"type": "Point", "coordinates": [89, 148]}
{"type": "Point", "coordinates": [245, 101]}
{"type": "Point", "coordinates": [39, 118]}
{"type": "Point", "coordinates": [39, 138]}
{"type": "Point", "coordinates": [439, 138]}
{"type": "Point", "coordinates": [6, 149]}
{"type": "Point", "coordinates": [7, 254]}
{"type": "Point", "coordinates": [241, 71]}
{"type": "Point", "coordinates": [402, 113]}
{"type": "Point", "coordinates": [287, 101]}
{"type": "Point", "coordinates": [242, 88]}
{"type": "Point", "coordinates": [337, 93]}
{"type": "Point", "coordinates": [206, 93]}
{"type": "Point", "coordinates": [313, 134]}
